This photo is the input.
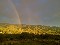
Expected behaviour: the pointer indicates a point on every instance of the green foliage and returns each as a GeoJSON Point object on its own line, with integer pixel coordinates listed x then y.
{"type": "Point", "coordinates": [29, 39]}
{"type": "Point", "coordinates": [28, 36]}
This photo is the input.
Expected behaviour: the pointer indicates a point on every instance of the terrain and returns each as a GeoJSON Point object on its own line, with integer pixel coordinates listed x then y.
{"type": "Point", "coordinates": [15, 34]}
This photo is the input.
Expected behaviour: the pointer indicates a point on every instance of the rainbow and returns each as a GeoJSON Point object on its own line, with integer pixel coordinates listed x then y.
{"type": "Point", "coordinates": [15, 10]}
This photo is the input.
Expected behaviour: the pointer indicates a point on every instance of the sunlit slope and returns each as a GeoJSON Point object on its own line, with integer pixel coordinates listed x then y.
{"type": "Point", "coordinates": [36, 29]}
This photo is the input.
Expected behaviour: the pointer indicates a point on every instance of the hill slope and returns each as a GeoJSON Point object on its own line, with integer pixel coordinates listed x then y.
{"type": "Point", "coordinates": [36, 29]}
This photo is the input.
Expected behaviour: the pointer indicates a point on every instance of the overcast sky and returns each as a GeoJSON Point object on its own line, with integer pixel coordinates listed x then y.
{"type": "Point", "coordinates": [43, 12]}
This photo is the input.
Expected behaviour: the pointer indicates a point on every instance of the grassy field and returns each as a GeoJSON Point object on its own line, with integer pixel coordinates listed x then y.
{"type": "Point", "coordinates": [41, 42]}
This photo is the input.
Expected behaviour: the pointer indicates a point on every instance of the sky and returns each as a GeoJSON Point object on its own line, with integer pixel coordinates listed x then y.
{"type": "Point", "coordinates": [40, 12]}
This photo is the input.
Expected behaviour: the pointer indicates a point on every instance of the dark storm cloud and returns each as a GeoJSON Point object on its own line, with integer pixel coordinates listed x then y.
{"type": "Point", "coordinates": [46, 12]}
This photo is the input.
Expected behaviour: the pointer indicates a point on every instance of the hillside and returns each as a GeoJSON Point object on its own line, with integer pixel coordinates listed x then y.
{"type": "Point", "coordinates": [6, 28]}
{"type": "Point", "coordinates": [15, 34]}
